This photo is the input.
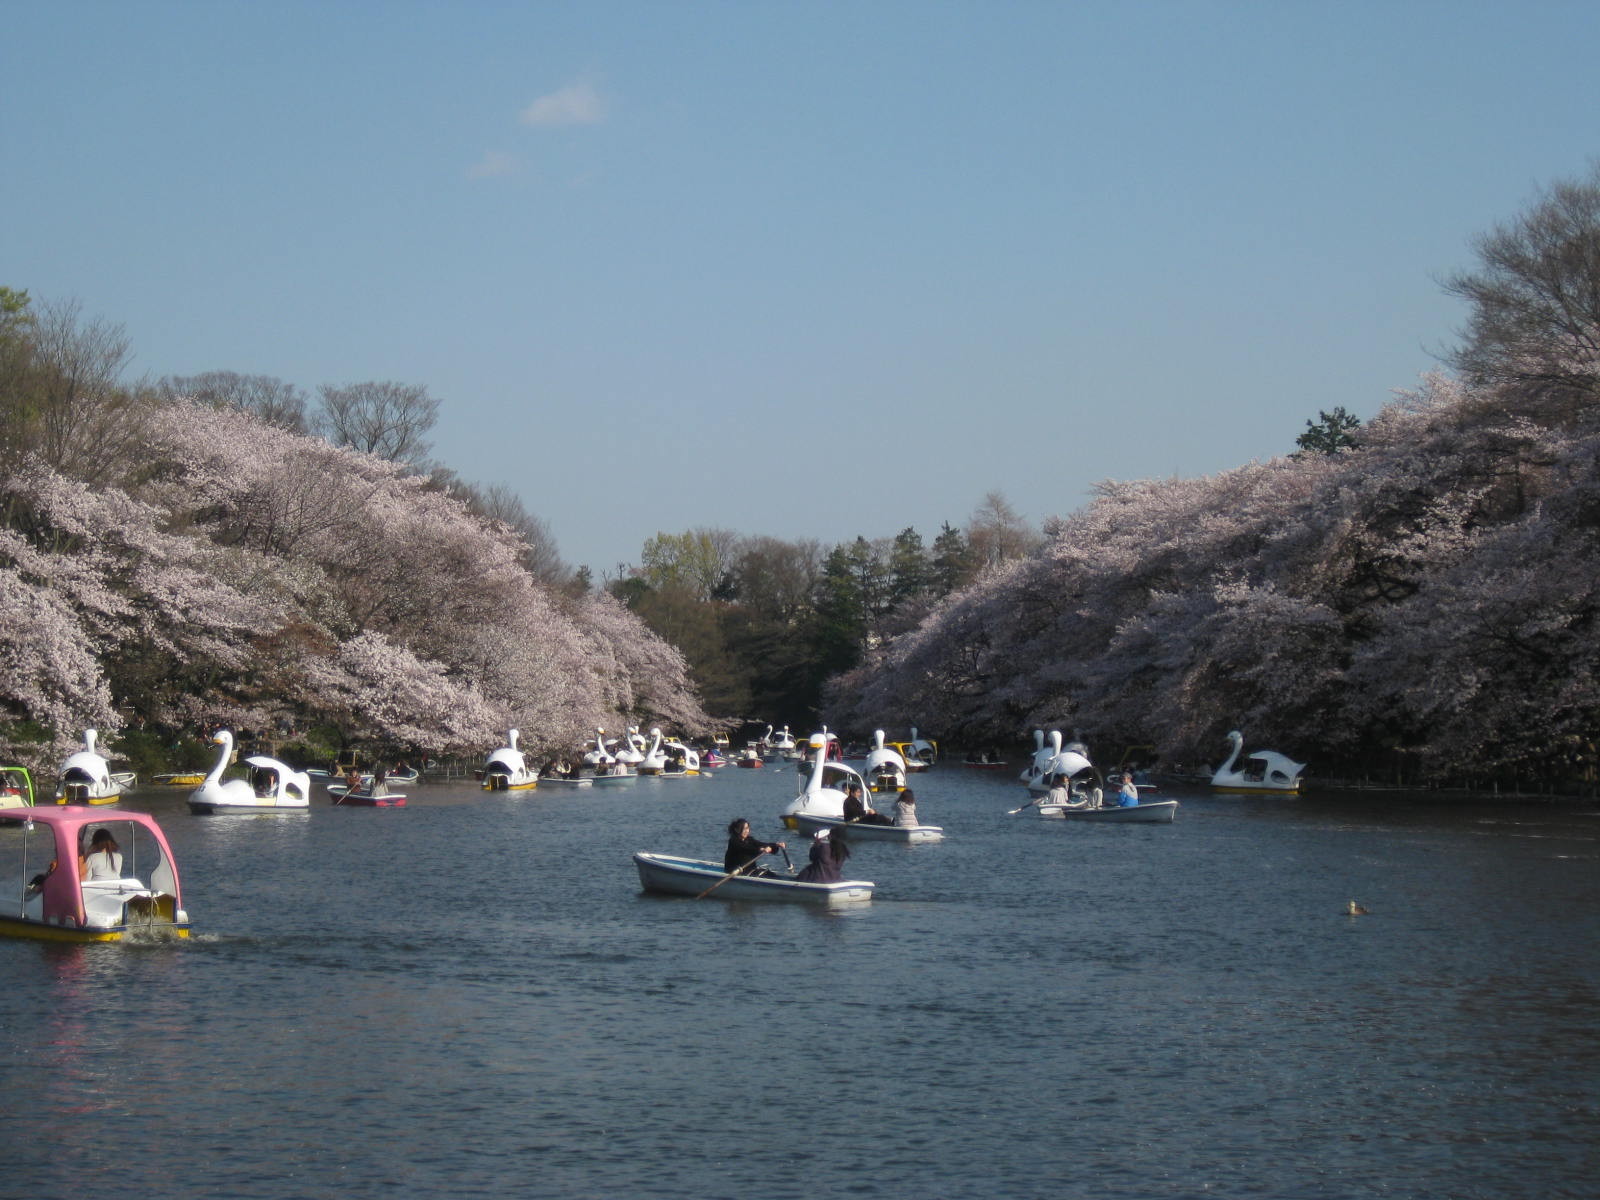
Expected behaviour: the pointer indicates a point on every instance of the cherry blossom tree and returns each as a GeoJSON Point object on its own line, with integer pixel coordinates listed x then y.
{"type": "Point", "coordinates": [262, 578]}
{"type": "Point", "coordinates": [1426, 597]}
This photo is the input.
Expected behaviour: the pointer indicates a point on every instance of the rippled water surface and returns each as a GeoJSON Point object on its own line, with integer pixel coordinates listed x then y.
{"type": "Point", "coordinates": [470, 997]}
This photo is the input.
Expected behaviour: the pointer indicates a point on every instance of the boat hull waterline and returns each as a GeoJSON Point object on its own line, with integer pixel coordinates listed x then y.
{"type": "Point", "coordinates": [865, 831]}
{"type": "Point", "coordinates": [1157, 812]}
{"type": "Point", "coordinates": [671, 875]}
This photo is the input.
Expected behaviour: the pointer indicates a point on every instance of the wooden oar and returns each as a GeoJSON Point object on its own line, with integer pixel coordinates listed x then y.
{"type": "Point", "coordinates": [739, 871]}
{"type": "Point", "coordinates": [1030, 804]}
{"type": "Point", "coordinates": [721, 881]}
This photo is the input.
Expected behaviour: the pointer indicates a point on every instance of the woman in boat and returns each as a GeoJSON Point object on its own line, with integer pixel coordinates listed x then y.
{"type": "Point", "coordinates": [1061, 793]}
{"type": "Point", "coordinates": [828, 852]}
{"type": "Point", "coordinates": [104, 860]}
{"type": "Point", "coordinates": [905, 809]}
{"type": "Point", "coordinates": [743, 850]}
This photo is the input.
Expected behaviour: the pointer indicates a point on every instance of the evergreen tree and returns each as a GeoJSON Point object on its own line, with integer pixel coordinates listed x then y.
{"type": "Point", "coordinates": [953, 566]}
{"type": "Point", "coordinates": [910, 572]}
{"type": "Point", "coordinates": [1330, 433]}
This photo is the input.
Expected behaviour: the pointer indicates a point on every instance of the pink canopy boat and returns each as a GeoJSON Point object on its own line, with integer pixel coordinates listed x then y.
{"type": "Point", "coordinates": [129, 887]}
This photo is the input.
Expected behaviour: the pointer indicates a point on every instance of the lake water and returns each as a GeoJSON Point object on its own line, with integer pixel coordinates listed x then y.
{"type": "Point", "coordinates": [470, 997]}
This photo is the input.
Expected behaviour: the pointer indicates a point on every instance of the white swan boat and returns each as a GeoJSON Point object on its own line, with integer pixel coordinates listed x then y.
{"type": "Point", "coordinates": [505, 770]}
{"type": "Point", "coordinates": [272, 787]}
{"type": "Point", "coordinates": [1044, 752]}
{"type": "Point", "coordinates": [1263, 771]}
{"type": "Point", "coordinates": [919, 753]}
{"type": "Point", "coordinates": [681, 759]}
{"type": "Point", "coordinates": [600, 754]}
{"type": "Point", "coordinates": [675, 876]}
{"type": "Point", "coordinates": [822, 789]}
{"type": "Point", "coordinates": [885, 769]}
{"type": "Point", "coordinates": [631, 753]}
{"type": "Point", "coordinates": [864, 831]}
{"type": "Point", "coordinates": [655, 759]}
{"type": "Point", "coordinates": [87, 778]}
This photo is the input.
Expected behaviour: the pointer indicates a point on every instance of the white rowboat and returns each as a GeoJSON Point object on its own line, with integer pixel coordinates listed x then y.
{"type": "Point", "coordinates": [676, 876]}
{"type": "Point", "coordinates": [1157, 812]}
{"type": "Point", "coordinates": [863, 831]}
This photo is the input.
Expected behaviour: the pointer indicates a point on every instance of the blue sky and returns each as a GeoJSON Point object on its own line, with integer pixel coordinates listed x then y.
{"type": "Point", "coordinates": [799, 269]}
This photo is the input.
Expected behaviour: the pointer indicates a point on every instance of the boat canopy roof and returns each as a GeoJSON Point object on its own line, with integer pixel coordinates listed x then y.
{"type": "Point", "coordinates": [264, 763]}
{"type": "Point", "coordinates": [64, 832]}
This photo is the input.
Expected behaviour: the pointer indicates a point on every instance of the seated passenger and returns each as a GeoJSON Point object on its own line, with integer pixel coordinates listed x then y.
{"type": "Point", "coordinates": [857, 811]}
{"type": "Point", "coordinates": [905, 809]}
{"type": "Point", "coordinates": [828, 852]}
{"type": "Point", "coordinates": [1128, 794]}
{"type": "Point", "coordinates": [104, 860]}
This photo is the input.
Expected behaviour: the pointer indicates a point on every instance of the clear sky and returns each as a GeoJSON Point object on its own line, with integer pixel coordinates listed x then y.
{"type": "Point", "coordinates": [806, 269]}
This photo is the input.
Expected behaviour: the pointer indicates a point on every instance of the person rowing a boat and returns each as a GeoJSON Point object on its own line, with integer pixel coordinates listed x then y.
{"type": "Point", "coordinates": [743, 850]}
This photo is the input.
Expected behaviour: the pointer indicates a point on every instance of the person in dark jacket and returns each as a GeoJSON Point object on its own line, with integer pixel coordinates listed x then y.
{"type": "Point", "coordinates": [856, 810]}
{"type": "Point", "coordinates": [828, 852]}
{"type": "Point", "coordinates": [743, 850]}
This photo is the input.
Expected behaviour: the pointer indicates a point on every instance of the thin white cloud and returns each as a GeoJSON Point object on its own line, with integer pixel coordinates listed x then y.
{"type": "Point", "coordinates": [575, 104]}
{"type": "Point", "coordinates": [493, 163]}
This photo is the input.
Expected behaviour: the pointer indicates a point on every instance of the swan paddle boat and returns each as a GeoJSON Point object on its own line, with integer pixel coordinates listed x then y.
{"type": "Point", "coordinates": [87, 778]}
{"type": "Point", "coordinates": [670, 875]}
{"type": "Point", "coordinates": [681, 760]}
{"type": "Point", "coordinates": [1044, 752]}
{"type": "Point", "coordinates": [822, 786]}
{"type": "Point", "coordinates": [272, 787]}
{"type": "Point", "coordinates": [1264, 771]}
{"type": "Point", "coordinates": [783, 744]}
{"type": "Point", "coordinates": [885, 768]}
{"type": "Point", "coordinates": [631, 752]}
{"type": "Point", "coordinates": [133, 889]}
{"type": "Point", "coordinates": [920, 753]}
{"type": "Point", "coordinates": [505, 770]}
{"type": "Point", "coordinates": [600, 754]}
{"type": "Point", "coordinates": [865, 831]}
{"type": "Point", "coordinates": [655, 759]}
{"type": "Point", "coordinates": [16, 787]}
